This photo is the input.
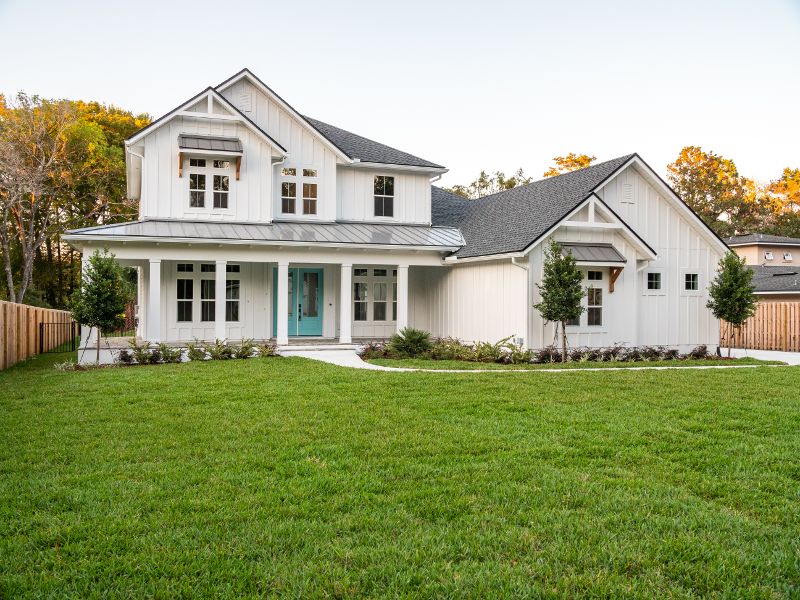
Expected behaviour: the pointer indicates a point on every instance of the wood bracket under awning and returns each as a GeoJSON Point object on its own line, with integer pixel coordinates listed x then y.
{"type": "Point", "coordinates": [238, 166]}
{"type": "Point", "coordinates": [614, 273]}
{"type": "Point", "coordinates": [180, 164]}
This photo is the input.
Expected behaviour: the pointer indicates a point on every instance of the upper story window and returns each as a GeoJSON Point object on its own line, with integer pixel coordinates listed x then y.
{"type": "Point", "coordinates": [309, 198]}
{"type": "Point", "coordinates": [309, 172]}
{"type": "Point", "coordinates": [288, 195]}
{"type": "Point", "coordinates": [384, 196]}
{"type": "Point", "coordinates": [299, 180]}
{"type": "Point", "coordinates": [691, 282]}
{"type": "Point", "coordinates": [289, 172]}
{"type": "Point", "coordinates": [201, 172]}
{"type": "Point", "coordinates": [768, 255]}
{"type": "Point", "coordinates": [787, 256]}
{"type": "Point", "coordinates": [654, 280]}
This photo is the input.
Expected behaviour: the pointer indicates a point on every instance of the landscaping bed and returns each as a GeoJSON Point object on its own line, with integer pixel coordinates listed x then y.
{"type": "Point", "coordinates": [462, 365]}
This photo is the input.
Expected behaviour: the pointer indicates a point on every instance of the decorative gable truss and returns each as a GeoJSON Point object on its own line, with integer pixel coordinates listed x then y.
{"type": "Point", "coordinates": [208, 105]}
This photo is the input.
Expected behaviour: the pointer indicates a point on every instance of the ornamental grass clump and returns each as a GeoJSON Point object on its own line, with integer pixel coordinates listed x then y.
{"type": "Point", "coordinates": [410, 342]}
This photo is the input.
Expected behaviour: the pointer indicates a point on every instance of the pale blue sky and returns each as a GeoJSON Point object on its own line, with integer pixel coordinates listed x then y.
{"type": "Point", "coordinates": [468, 84]}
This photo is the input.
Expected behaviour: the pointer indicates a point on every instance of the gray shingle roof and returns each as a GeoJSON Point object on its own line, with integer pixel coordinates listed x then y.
{"type": "Point", "coordinates": [444, 238]}
{"type": "Point", "coordinates": [366, 150]}
{"type": "Point", "coordinates": [209, 142]}
{"type": "Point", "coordinates": [510, 221]}
{"type": "Point", "coordinates": [603, 253]}
{"type": "Point", "coordinates": [761, 238]}
{"type": "Point", "coordinates": [776, 279]}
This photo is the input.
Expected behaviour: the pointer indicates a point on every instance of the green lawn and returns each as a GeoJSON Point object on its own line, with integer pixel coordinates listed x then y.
{"type": "Point", "coordinates": [424, 363]}
{"type": "Point", "coordinates": [290, 477]}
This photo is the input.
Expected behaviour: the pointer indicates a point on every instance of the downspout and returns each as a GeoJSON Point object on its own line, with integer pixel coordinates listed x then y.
{"type": "Point", "coordinates": [141, 175]}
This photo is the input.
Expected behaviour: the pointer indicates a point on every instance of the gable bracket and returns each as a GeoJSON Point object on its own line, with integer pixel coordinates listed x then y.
{"type": "Point", "coordinates": [180, 165]}
{"type": "Point", "coordinates": [614, 273]}
{"type": "Point", "coordinates": [238, 166]}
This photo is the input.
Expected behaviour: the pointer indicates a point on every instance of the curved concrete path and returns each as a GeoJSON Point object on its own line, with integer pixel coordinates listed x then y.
{"type": "Point", "coordinates": [349, 358]}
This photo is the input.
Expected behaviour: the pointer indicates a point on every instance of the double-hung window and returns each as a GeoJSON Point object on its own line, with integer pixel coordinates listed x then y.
{"type": "Point", "coordinates": [309, 198]}
{"type": "Point", "coordinates": [303, 181]}
{"type": "Point", "coordinates": [288, 195]}
{"type": "Point", "coordinates": [208, 294]}
{"type": "Point", "coordinates": [185, 297]}
{"type": "Point", "coordinates": [384, 196]}
{"type": "Point", "coordinates": [221, 190]}
{"type": "Point", "coordinates": [360, 300]}
{"type": "Point", "coordinates": [379, 302]}
{"type": "Point", "coordinates": [197, 189]}
{"type": "Point", "coordinates": [232, 300]}
{"type": "Point", "coordinates": [214, 172]}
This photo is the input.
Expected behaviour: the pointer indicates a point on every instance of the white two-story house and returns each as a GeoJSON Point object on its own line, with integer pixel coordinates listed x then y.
{"type": "Point", "coordinates": [258, 222]}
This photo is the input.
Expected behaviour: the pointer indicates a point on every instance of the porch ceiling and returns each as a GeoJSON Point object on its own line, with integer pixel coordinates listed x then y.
{"type": "Point", "coordinates": [355, 234]}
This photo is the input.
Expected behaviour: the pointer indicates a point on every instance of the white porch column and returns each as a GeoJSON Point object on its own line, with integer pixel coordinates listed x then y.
{"type": "Point", "coordinates": [88, 338]}
{"type": "Point", "coordinates": [346, 305]}
{"type": "Point", "coordinates": [402, 296]}
{"type": "Point", "coordinates": [220, 276]}
{"type": "Point", "coordinates": [282, 334]}
{"type": "Point", "coordinates": [154, 301]}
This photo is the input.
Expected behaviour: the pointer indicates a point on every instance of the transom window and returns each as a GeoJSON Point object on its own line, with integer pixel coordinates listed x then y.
{"type": "Point", "coordinates": [201, 171]}
{"type": "Point", "coordinates": [384, 196]}
{"type": "Point", "coordinates": [691, 282]}
{"type": "Point", "coordinates": [653, 281]}
{"type": "Point", "coordinates": [595, 276]}
{"type": "Point", "coordinates": [309, 172]}
{"type": "Point", "coordinates": [185, 268]}
{"type": "Point", "coordinates": [289, 172]}
{"type": "Point", "coordinates": [188, 276]}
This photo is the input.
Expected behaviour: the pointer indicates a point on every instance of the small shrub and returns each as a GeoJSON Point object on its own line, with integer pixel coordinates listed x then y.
{"type": "Point", "coordinates": [374, 350]}
{"type": "Point", "coordinates": [169, 354]}
{"type": "Point", "coordinates": [488, 352]}
{"type": "Point", "coordinates": [451, 349]}
{"type": "Point", "coordinates": [155, 356]}
{"type": "Point", "coordinates": [699, 352]}
{"type": "Point", "coordinates": [516, 354]}
{"type": "Point", "coordinates": [633, 354]}
{"type": "Point", "coordinates": [410, 342]}
{"type": "Point", "coordinates": [244, 349]}
{"type": "Point", "coordinates": [195, 352]}
{"type": "Point", "coordinates": [267, 349]}
{"type": "Point", "coordinates": [141, 352]}
{"type": "Point", "coordinates": [219, 350]}
{"type": "Point", "coordinates": [650, 353]}
{"type": "Point", "coordinates": [124, 357]}
{"type": "Point", "coordinates": [549, 354]}
{"type": "Point", "coordinates": [671, 354]}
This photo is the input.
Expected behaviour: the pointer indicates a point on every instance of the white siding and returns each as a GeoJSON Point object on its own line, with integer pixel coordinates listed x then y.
{"type": "Point", "coordinates": [355, 191]}
{"type": "Point", "coordinates": [165, 195]}
{"type": "Point", "coordinates": [479, 301]}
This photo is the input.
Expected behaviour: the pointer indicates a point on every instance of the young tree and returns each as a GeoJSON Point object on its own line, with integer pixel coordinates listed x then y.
{"type": "Point", "coordinates": [105, 291]}
{"type": "Point", "coordinates": [561, 291]}
{"type": "Point", "coordinates": [568, 163]}
{"type": "Point", "coordinates": [731, 293]}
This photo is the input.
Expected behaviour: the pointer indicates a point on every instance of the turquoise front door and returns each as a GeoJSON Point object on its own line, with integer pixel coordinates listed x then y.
{"type": "Point", "coordinates": [305, 302]}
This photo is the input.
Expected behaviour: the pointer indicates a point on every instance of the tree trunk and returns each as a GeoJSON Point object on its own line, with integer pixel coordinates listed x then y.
{"type": "Point", "coordinates": [563, 341]}
{"type": "Point", "coordinates": [730, 338]}
{"type": "Point", "coordinates": [97, 356]}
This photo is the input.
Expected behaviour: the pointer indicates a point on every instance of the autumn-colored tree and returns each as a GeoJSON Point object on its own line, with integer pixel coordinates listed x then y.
{"type": "Point", "coordinates": [487, 184]}
{"type": "Point", "coordinates": [568, 163]}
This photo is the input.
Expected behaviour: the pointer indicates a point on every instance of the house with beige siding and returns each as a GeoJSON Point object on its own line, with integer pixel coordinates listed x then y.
{"type": "Point", "coordinates": [256, 221]}
{"type": "Point", "coordinates": [775, 261]}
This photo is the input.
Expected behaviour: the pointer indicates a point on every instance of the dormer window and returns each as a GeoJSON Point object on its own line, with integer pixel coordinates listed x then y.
{"type": "Point", "coordinates": [384, 196]}
{"type": "Point", "coordinates": [787, 256]}
{"type": "Point", "coordinates": [768, 255]}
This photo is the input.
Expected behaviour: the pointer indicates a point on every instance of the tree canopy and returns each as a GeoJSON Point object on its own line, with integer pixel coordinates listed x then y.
{"type": "Point", "coordinates": [487, 184]}
{"type": "Point", "coordinates": [568, 163]}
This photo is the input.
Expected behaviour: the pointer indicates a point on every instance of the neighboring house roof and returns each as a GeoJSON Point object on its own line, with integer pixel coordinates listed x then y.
{"type": "Point", "coordinates": [600, 253]}
{"type": "Point", "coordinates": [209, 142]}
{"type": "Point", "coordinates": [775, 279]}
{"type": "Point", "coordinates": [365, 150]}
{"type": "Point", "coordinates": [512, 220]}
{"type": "Point", "coordinates": [418, 236]}
{"type": "Point", "coordinates": [751, 239]}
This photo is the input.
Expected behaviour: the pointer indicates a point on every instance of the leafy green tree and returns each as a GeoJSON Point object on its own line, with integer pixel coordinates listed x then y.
{"type": "Point", "coordinates": [105, 290]}
{"type": "Point", "coordinates": [561, 290]}
{"type": "Point", "coordinates": [568, 163]}
{"type": "Point", "coordinates": [731, 295]}
{"type": "Point", "coordinates": [487, 184]}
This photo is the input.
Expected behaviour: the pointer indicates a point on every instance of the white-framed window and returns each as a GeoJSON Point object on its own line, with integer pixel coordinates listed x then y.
{"type": "Point", "coordinates": [210, 175]}
{"type": "Point", "coordinates": [185, 298]}
{"type": "Point", "coordinates": [208, 300]}
{"type": "Point", "coordinates": [768, 255]}
{"type": "Point", "coordinates": [654, 282]}
{"type": "Point", "coordinates": [309, 172]}
{"type": "Point", "coordinates": [288, 197]}
{"type": "Point", "coordinates": [691, 282]}
{"type": "Point", "coordinates": [309, 198]}
{"type": "Point", "coordinates": [289, 172]}
{"type": "Point", "coordinates": [384, 196]}
{"type": "Point", "coordinates": [787, 256]}
{"type": "Point", "coordinates": [593, 315]}
{"type": "Point", "coordinates": [371, 299]}
{"type": "Point", "coordinates": [232, 300]}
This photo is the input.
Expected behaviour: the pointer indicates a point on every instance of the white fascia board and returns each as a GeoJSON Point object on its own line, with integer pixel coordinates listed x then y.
{"type": "Point", "coordinates": [453, 260]}
{"type": "Point", "coordinates": [89, 239]}
{"type": "Point", "coordinates": [668, 192]}
{"type": "Point", "coordinates": [777, 293]}
{"type": "Point", "coordinates": [393, 167]}
{"type": "Point", "coordinates": [781, 244]}
{"type": "Point", "coordinates": [246, 74]}
{"type": "Point", "coordinates": [594, 263]}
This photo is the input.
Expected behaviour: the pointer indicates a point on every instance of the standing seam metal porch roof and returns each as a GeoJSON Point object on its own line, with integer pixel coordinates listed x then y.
{"type": "Point", "coordinates": [436, 238]}
{"type": "Point", "coordinates": [585, 252]}
{"type": "Point", "coordinates": [209, 142]}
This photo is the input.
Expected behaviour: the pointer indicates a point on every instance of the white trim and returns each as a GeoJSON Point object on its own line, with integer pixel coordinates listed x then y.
{"type": "Point", "coordinates": [245, 73]}
{"type": "Point", "coordinates": [394, 167]}
{"type": "Point", "coordinates": [662, 291]}
{"type": "Point", "coordinates": [777, 293]}
{"type": "Point", "coordinates": [762, 243]}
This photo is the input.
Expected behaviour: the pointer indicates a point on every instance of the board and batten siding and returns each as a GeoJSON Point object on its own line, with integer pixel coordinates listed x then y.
{"type": "Point", "coordinates": [477, 301]}
{"type": "Point", "coordinates": [306, 149]}
{"type": "Point", "coordinates": [165, 195]}
{"type": "Point", "coordinates": [355, 192]}
{"type": "Point", "coordinates": [674, 317]}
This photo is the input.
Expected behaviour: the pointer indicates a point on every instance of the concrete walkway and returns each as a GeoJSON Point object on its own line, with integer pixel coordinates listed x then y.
{"type": "Point", "coordinates": [790, 358]}
{"type": "Point", "coordinates": [349, 358]}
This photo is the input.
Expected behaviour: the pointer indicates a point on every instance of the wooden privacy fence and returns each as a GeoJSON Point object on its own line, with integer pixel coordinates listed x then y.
{"type": "Point", "coordinates": [20, 327]}
{"type": "Point", "coordinates": [775, 326]}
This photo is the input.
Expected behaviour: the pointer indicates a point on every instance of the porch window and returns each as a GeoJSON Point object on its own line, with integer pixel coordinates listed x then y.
{"type": "Point", "coordinates": [309, 198]}
{"type": "Point", "coordinates": [207, 303]}
{"type": "Point", "coordinates": [379, 302]}
{"type": "Point", "coordinates": [595, 307]}
{"type": "Point", "coordinates": [394, 299]}
{"type": "Point", "coordinates": [208, 268]}
{"type": "Point", "coordinates": [288, 195]}
{"type": "Point", "coordinates": [221, 189]}
{"type": "Point", "coordinates": [360, 301]}
{"type": "Point", "coordinates": [384, 196]}
{"type": "Point", "coordinates": [232, 300]}
{"type": "Point", "coordinates": [197, 190]}
{"type": "Point", "coordinates": [185, 296]}
{"type": "Point", "coordinates": [185, 268]}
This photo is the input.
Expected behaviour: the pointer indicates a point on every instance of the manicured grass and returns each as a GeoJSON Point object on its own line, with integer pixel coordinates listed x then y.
{"type": "Point", "coordinates": [424, 363]}
{"type": "Point", "coordinates": [295, 478]}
